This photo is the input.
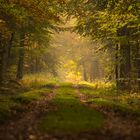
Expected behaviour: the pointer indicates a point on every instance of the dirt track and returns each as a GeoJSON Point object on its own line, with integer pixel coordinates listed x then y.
{"type": "Point", "coordinates": [24, 126]}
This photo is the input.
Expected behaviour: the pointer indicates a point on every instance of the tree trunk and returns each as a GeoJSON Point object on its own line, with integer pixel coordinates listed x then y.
{"type": "Point", "coordinates": [85, 72]}
{"type": "Point", "coordinates": [21, 57]}
{"type": "Point", "coordinates": [138, 79]}
{"type": "Point", "coordinates": [3, 61]}
{"type": "Point", "coordinates": [125, 67]}
{"type": "Point", "coordinates": [117, 67]}
{"type": "Point", "coordinates": [9, 48]}
{"type": "Point", "coordinates": [91, 71]}
{"type": "Point", "coordinates": [96, 69]}
{"type": "Point", "coordinates": [136, 66]}
{"type": "Point", "coordinates": [3, 65]}
{"type": "Point", "coordinates": [138, 63]}
{"type": "Point", "coordinates": [125, 59]}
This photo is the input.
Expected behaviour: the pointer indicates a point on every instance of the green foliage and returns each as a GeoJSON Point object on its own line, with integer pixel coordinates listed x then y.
{"type": "Point", "coordinates": [102, 19]}
{"type": "Point", "coordinates": [37, 20]}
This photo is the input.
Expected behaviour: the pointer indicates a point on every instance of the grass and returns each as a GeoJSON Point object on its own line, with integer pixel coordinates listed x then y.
{"type": "Point", "coordinates": [66, 84]}
{"type": "Point", "coordinates": [96, 89]}
{"type": "Point", "coordinates": [33, 95]}
{"type": "Point", "coordinates": [10, 104]}
{"type": "Point", "coordinates": [95, 85]}
{"type": "Point", "coordinates": [109, 97]}
{"type": "Point", "coordinates": [65, 91]}
{"type": "Point", "coordinates": [115, 106]}
{"type": "Point", "coordinates": [38, 80]}
{"type": "Point", "coordinates": [34, 87]}
{"type": "Point", "coordinates": [68, 115]}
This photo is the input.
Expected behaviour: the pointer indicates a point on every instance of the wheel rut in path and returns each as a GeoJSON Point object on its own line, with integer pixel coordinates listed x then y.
{"type": "Point", "coordinates": [25, 125]}
{"type": "Point", "coordinates": [118, 125]}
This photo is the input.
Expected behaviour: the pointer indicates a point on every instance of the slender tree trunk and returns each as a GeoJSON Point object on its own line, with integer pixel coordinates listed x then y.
{"type": "Point", "coordinates": [91, 71]}
{"type": "Point", "coordinates": [96, 69]}
{"type": "Point", "coordinates": [21, 57]}
{"type": "Point", "coordinates": [138, 63]}
{"type": "Point", "coordinates": [31, 62]}
{"type": "Point", "coordinates": [125, 67]}
{"type": "Point", "coordinates": [2, 64]}
{"type": "Point", "coordinates": [117, 67]}
{"type": "Point", "coordinates": [9, 48]}
{"type": "Point", "coordinates": [125, 59]}
{"type": "Point", "coordinates": [85, 72]}
{"type": "Point", "coordinates": [3, 61]}
{"type": "Point", "coordinates": [134, 69]}
{"type": "Point", "coordinates": [138, 73]}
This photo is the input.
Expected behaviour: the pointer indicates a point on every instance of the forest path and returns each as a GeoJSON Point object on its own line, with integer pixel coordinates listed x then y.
{"type": "Point", "coordinates": [25, 126]}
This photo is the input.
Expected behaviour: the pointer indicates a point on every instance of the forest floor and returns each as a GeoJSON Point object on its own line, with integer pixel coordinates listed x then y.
{"type": "Point", "coordinates": [69, 112]}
